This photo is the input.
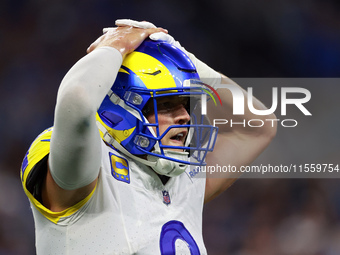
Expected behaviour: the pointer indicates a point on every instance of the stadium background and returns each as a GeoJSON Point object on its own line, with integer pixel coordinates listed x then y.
{"type": "Point", "coordinates": [41, 40]}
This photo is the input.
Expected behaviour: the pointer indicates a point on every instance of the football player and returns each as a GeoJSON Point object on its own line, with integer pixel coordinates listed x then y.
{"type": "Point", "coordinates": [117, 172]}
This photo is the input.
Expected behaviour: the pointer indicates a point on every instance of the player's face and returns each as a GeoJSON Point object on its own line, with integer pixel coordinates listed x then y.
{"type": "Point", "coordinates": [171, 111]}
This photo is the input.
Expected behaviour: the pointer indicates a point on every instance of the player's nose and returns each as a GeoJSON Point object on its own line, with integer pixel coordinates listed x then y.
{"type": "Point", "coordinates": [181, 115]}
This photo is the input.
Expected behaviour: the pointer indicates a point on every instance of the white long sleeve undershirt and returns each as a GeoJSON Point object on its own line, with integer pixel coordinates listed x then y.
{"type": "Point", "coordinates": [75, 153]}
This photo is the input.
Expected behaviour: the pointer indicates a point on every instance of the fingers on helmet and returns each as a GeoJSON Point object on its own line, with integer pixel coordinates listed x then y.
{"type": "Point", "coordinates": [134, 23]}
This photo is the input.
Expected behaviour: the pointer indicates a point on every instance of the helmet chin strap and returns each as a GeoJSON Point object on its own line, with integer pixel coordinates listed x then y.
{"type": "Point", "coordinates": [165, 166]}
{"type": "Point", "coordinates": [168, 167]}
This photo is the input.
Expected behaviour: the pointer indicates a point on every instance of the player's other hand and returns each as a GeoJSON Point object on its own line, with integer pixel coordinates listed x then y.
{"type": "Point", "coordinates": [125, 38]}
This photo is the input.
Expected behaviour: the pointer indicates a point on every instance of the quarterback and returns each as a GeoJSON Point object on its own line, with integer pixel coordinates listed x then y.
{"type": "Point", "coordinates": [112, 174]}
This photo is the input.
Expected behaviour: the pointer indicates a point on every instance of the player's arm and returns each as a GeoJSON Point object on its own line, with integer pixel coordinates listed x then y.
{"type": "Point", "coordinates": [237, 145]}
{"type": "Point", "coordinates": [75, 153]}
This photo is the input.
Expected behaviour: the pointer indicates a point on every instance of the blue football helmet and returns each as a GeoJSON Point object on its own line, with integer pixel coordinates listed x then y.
{"type": "Point", "coordinates": [156, 70]}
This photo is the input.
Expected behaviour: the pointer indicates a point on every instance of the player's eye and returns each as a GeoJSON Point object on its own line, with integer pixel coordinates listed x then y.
{"type": "Point", "coordinates": [166, 106]}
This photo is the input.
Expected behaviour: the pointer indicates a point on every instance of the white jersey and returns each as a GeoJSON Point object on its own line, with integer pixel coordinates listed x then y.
{"type": "Point", "coordinates": [129, 212]}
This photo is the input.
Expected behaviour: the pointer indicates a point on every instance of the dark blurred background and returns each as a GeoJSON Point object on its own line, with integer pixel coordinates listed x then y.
{"type": "Point", "coordinates": [41, 40]}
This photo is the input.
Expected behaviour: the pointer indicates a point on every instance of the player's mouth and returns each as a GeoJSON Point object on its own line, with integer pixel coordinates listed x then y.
{"type": "Point", "coordinates": [179, 138]}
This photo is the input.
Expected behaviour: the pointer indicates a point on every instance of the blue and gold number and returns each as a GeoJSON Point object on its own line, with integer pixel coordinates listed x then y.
{"type": "Point", "coordinates": [172, 231]}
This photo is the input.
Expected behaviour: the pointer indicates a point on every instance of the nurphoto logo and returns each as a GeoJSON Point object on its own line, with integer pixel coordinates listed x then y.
{"type": "Point", "coordinates": [239, 104]}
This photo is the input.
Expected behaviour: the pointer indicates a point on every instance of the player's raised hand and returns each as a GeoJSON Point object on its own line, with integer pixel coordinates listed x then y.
{"type": "Point", "coordinates": [125, 38]}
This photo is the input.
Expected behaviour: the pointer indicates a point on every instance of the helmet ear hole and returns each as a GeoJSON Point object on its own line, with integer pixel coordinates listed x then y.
{"type": "Point", "coordinates": [111, 118]}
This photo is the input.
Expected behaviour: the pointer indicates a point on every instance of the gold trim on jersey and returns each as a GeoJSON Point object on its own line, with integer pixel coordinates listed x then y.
{"type": "Point", "coordinates": [37, 151]}
{"type": "Point", "coordinates": [55, 216]}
